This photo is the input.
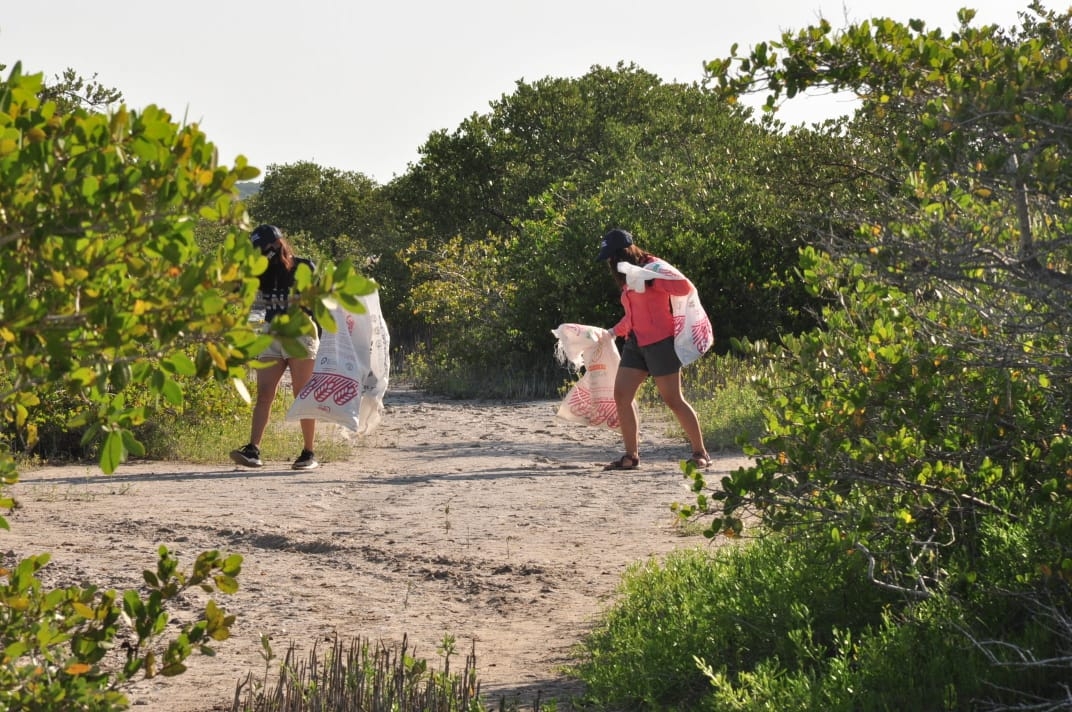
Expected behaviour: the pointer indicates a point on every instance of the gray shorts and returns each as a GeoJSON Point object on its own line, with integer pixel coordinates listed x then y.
{"type": "Point", "coordinates": [276, 352]}
{"type": "Point", "coordinates": [658, 359]}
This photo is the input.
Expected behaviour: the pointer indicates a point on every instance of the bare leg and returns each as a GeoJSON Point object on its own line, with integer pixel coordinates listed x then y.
{"type": "Point", "coordinates": [626, 385]}
{"type": "Point", "coordinates": [301, 370]}
{"type": "Point", "coordinates": [670, 390]}
{"type": "Point", "coordinates": [268, 379]}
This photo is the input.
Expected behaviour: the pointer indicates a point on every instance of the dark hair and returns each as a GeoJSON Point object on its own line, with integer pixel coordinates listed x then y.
{"type": "Point", "coordinates": [633, 255]}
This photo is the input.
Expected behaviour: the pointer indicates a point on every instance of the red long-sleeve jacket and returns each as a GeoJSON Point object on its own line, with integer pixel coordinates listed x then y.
{"type": "Point", "coordinates": [648, 314]}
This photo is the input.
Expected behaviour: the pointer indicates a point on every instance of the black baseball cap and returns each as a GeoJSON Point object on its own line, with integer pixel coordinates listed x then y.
{"type": "Point", "coordinates": [613, 241]}
{"type": "Point", "coordinates": [265, 235]}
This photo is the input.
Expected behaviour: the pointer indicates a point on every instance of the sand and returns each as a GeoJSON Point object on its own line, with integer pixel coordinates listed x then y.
{"type": "Point", "coordinates": [488, 521]}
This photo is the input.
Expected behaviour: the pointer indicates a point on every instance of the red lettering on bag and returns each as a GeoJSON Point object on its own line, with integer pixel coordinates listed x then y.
{"type": "Point", "coordinates": [322, 386]}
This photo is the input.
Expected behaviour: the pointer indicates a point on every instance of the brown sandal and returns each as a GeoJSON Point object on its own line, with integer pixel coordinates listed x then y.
{"type": "Point", "coordinates": [625, 462]}
{"type": "Point", "coordinates": [700, 460]}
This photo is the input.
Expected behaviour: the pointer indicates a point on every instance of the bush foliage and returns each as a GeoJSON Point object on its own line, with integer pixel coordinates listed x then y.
{"type": "Point", "coordinates": [794, 624]}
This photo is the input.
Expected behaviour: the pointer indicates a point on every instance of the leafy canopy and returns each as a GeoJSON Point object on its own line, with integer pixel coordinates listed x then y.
{"type": "Point", "coordinates": [936, 394]}
{"type": "Point", "coordinates": [506, 212]}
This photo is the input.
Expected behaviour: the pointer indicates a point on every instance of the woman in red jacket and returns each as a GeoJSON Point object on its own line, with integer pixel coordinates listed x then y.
{"type": "Point", "coordinates": [649, 348]}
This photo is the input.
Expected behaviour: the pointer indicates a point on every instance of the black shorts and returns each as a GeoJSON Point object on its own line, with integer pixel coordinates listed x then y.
{"type": "Point", "coordinates": [658, 359]}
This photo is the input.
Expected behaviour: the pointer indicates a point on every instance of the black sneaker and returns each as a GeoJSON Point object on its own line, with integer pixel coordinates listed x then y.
{"type": "Point", "coordinates": [306, 461]}
{"type": "Point", "coordinates": [248, 455]}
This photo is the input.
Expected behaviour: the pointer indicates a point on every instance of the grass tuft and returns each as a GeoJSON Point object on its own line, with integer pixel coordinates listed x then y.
{"type": "Point", "coordinates": [723, 392]}
{"type": "Point", "coordinates": [361, 675]}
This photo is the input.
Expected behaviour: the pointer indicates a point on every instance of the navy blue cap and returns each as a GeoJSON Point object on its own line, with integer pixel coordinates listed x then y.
{"type": "Point", "coordinates": [613, 241]}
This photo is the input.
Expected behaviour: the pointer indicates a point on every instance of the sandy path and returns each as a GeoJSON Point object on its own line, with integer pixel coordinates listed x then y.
{"type": "Point", "coordinates": [491, 522]}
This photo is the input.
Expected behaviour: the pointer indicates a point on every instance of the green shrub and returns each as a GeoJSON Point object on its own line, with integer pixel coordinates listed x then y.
{"type": "Point", "coordinates": [61, 429]}
{"type": "Point", "coordinates": [738, 608]}
{"type": "Point", "coordinates": [784, 624]}
{"type": "Point", "coordinates": [893, 665]}
{"type": "Point", "coordinates": [57, 642]}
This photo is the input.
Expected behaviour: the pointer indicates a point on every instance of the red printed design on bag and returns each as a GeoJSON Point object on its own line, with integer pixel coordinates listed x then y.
{"type": "Point", "coordinates": [580, 400]}
{"type": "Point", "coordinates": [703, 336]}
{"type": "Point", "coordinates": [702, 333]}
{"type": "Point", "coordinates": [581, 403]}
{"type": "Point", "coordinates": [339, 389]}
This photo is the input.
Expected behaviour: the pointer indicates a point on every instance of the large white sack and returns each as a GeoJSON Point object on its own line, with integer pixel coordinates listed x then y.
{"type": "Point", "coordinates": [591, 399]}
{"type": "Point", "coordinates": [351, 371]}
{"type": "Point", "coordinates": [372, 328]}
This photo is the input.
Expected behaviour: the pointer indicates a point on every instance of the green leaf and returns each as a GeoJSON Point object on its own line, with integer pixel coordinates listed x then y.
{"type": "Point", "coordinates": [303, 277]}
{"type": "Point", "coordinates": [173, 669]}
{"type": "Point", "coordinates": [180, 364]}
{"type": "Point", "coordinates": [16, 650]}
{"type": "Point", "coordinates": [83, 610]}
{"type": "Point", "coordinates": [111, 452]}
{"type": "Point", "coordinates": [90, 187]}
{"type": "Point", "coordinates": [232, 564]}
{"type": "Point", "coordinates": [172, 392]}
{"type": "Point", "coordinates": [226, 584]}
{"type": "Point", "coordinates": [131, 444]}
{"type": "Point", "coordinates": [212, 303]}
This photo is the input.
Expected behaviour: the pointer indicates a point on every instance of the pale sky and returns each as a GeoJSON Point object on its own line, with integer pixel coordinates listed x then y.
{"type": "Point", "coordinates": [361, 88]}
